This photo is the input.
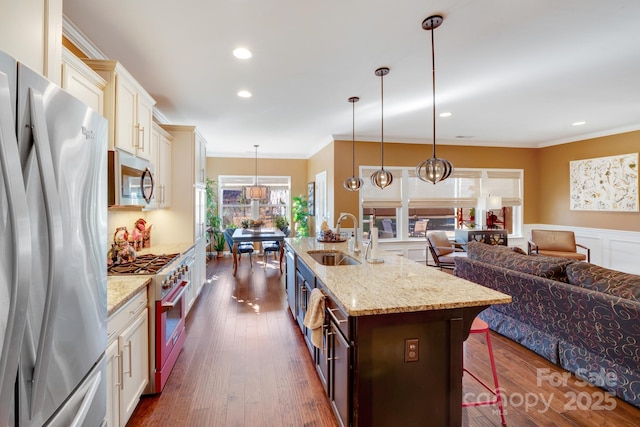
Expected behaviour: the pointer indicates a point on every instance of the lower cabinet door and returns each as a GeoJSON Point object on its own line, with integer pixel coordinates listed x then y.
{"type": "Point", "coordinates": [340, 356]}
{"type": "Point", "coordinates": [113, 384]}
{"type": "Point", "coordinates": [322, 358]}
{"type": "Point", "coordinates": [134, 347]}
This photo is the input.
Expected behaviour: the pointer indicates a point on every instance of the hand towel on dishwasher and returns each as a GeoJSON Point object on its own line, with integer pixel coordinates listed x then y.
{"type": "Point", "coordinates": [314, 317]}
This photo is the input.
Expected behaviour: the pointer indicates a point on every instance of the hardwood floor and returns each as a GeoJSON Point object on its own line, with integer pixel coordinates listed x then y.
{"type": "Point", "coordinates": [245, 364]}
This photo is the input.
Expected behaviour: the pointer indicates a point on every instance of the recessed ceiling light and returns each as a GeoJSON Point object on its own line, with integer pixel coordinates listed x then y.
{"type": "Point", "coordinates": [244, 94]}
{"type": "Point", "coordinates": [242, 53]}
{"type": "Point", "coordinates": [445, 114]}
{"type": "Point", "coordinates": [578, 123]}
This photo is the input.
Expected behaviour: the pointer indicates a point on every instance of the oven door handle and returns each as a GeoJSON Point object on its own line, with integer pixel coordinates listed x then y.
{"type": "Point", "coordinates": [166, 306]}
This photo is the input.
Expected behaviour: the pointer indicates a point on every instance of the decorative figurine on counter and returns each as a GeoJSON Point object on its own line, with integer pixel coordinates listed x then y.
{"type": "Point", "coordinates": [141, 234]}
{"type": "Point", "coordinates": [121, 252]}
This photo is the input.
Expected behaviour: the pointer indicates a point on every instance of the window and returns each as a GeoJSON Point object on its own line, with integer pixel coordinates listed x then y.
{"type": "Point", "coordinates": [235, 207]}
{"type": "Point", "coordinates": [402, 210]}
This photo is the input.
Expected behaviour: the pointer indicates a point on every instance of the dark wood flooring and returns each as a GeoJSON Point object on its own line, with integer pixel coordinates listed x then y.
{"type": "Point", "coordinates": [245, 364]}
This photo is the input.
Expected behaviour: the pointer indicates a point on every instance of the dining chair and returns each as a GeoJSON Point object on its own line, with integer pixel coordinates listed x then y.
{"type": "Point", "coordinates": [243, 247]}
{"type": "Point", "coordinates": [273, 246]}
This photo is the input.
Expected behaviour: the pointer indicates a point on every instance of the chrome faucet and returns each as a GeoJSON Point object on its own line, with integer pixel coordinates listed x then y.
{"type": "Point", "coordinates": [355, 227]}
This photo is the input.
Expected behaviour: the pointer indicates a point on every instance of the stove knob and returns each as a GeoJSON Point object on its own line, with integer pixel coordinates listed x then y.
{"type": "Point", "coordinates": [166, 284]}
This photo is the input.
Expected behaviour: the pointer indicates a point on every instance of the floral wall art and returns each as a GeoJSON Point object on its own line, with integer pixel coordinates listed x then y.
{"type": "Point", "coordinates": [605, 183]}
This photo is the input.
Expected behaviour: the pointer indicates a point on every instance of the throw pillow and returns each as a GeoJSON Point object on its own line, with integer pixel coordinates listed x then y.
{"type": "Point", "coordinates": [623, 285]}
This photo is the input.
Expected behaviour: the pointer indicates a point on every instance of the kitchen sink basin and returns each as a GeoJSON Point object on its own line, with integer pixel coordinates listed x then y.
{"type": "Point", "coordinates": [333, 258]}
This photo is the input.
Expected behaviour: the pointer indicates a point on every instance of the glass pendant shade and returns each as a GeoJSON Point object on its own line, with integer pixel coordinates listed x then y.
{"type": "Point", "coordinates": [381, 178]}
{"type": "Point", "coordinates": [353, 183]}
{"type": "Point", "coordinates": [434, 169]}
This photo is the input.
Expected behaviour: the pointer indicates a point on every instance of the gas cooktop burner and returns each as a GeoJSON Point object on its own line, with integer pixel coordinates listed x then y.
{"type": "Point", "coordinates": [143, 264]}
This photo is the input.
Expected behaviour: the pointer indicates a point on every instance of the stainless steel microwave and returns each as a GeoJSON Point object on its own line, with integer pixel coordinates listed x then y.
{"type": "Point", "coordinates": [130, 180]}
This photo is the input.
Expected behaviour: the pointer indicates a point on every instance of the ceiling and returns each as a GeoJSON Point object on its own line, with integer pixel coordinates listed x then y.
{"type": "Point", "coordinates": [512, 73]}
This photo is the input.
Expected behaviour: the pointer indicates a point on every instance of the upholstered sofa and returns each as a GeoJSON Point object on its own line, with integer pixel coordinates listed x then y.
{"type": "Point", "coordinates": [582, 317]}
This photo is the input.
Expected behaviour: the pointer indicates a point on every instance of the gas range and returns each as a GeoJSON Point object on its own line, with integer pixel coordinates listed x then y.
{"type": "Point", "coordinates": [143, 264]}
{"type": "Point", "coordinates": [167, 270]}
{"type": "Point", "coordinates": [170, 279]}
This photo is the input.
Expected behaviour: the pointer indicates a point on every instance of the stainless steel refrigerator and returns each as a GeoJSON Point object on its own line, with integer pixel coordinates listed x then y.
{"type": "Point", "coordinates": [53, 216]}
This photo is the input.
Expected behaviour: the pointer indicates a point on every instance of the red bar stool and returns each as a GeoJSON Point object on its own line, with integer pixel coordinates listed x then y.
{"type": "Point", "coordinates": [479, 326]}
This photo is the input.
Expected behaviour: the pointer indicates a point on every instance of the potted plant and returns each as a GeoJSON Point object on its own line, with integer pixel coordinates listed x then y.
{"type": "Point", "coordinates": [280, 222]}
{"type": "Point", "coordinates": [300, 216]}
{"type": "Point", "coordinates": [214, 221]}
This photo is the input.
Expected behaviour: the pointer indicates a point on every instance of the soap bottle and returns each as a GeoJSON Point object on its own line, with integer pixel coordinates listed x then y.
{"type": "Point", "coordinates": [352, 242]}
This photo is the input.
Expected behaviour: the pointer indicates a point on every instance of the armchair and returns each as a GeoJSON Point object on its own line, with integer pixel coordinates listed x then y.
{"type": "Point", "coordinates": [557, 243]}
{"type": "Point", "coordinates": [443, 251]}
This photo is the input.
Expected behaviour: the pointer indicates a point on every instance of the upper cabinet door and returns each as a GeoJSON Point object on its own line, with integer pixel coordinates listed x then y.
{"type": "Point", "coordinates": [128, 107]}
{"type": "Point", "coordinates": [125, 116]}
{"type": "Point", "coordinates": [143, 128]}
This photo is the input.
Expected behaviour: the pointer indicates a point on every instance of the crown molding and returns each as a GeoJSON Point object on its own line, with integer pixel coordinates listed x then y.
{"type": "Point", "coordinates": [79, 40]}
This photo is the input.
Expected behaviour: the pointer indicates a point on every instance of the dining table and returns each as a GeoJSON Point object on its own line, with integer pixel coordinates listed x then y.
{"type": "Point", "coordinates": [263, 234]}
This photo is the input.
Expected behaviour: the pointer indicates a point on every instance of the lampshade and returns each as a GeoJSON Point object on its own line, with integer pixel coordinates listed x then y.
{"type": "Point", "coordinates": [434, 169]}
{"type": "Point", "coordinates": [381, 178]}
{"type": "Point", "coordinates": [353, 183]}
{"type": "Point", "coordinates": [256, 192]}
{"type": "Point", "coordinates": [494, 202]}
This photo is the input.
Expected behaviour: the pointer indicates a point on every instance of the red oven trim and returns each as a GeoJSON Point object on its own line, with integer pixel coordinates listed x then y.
{"type": "Point", "coordinates": [178, 338]}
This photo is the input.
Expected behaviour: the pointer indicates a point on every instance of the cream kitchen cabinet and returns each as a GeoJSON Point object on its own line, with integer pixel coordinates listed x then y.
{"type": "Point", "coordinates": [82, 82]}
{"type": "Point", "coordinates": [128, 107]}
{"type": "Point", "coordinates": [187, 222]}
{"type": "Point", "coordinates": [161, 147]}
{"type": "Point", "coordinates": [127, 359]}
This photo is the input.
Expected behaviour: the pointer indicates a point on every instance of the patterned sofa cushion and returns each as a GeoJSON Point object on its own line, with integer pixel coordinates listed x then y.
{"type": "Point", "coordinates": [617, 283]}
{"type": "Point", "coordinates": [539, 265]}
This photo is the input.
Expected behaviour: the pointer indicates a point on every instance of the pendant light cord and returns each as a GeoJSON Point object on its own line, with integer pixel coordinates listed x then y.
{"type": "Point", "coordinates": [433, 79]}
{"type": "Point", "coordinates": [353, 139]}
{"type": "Point", "coordinates": [382, 121]}
{"type": "Point", "coordinates": [256, 165]}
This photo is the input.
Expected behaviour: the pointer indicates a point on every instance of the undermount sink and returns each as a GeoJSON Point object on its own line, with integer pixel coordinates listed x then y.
{"type": "Point", "coordinates": [333, 258]}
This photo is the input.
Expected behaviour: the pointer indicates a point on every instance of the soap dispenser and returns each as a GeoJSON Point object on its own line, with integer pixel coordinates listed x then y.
{"type": "Point", "coordinates": [352, 242]}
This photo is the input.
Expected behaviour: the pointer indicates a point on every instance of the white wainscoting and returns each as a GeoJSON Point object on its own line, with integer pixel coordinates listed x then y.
{"type": "Point", "coordinates": [614, 249]}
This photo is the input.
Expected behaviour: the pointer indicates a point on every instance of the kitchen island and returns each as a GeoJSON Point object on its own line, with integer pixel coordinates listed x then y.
{"type": "Point", "coordinates": [392, 337]}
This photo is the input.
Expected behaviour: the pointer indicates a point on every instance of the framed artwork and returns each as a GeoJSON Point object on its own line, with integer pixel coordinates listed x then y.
{"type": "Point", "coordinates": [311, 198]}
{"type": "Point", "coordinates": [605, 184]}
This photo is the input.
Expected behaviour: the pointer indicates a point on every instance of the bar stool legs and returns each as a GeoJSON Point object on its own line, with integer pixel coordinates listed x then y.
{"type": "Point", "coordinates": [479, 326]}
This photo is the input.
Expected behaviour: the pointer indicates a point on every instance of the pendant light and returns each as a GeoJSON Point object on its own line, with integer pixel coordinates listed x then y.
{"type": "Point", "coordinates": [256, 192]}
{"type": "Point", "coordinates": [382, 178]}
{"type": "Point", "coordinates": [354, 182]}
{"type": "Point", "coordinates": [434, 169]}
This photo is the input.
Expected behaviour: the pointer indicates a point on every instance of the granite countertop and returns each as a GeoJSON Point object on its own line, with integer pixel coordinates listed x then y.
{"type": "Point", "coordinates": [398, 285]}
{"type": "Point", "coordinates": [121, 289]}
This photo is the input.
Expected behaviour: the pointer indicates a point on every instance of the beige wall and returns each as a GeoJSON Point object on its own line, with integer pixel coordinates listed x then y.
{"type": "Point", "coordinates": [554, 183]}
{"type": "Point", "coordinates": [322, 161]}
{"type": "Point", "coordinates": [395, 154]}
{"type": "Point", "coordinates": [546, 173]}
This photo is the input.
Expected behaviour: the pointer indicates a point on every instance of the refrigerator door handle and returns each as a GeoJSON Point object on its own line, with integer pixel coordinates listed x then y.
{"type": "Point", "coordinates": [54, 225]}
{"type": "Point", "coordinates": [78, 420]}
{"type": "Point", "coordinates": [21, 243]}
